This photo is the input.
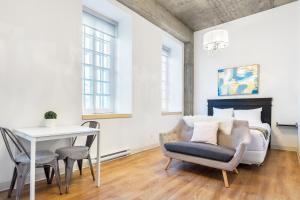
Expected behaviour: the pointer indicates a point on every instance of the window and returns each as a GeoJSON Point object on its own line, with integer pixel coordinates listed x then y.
{"type": "Point", "coordinates": [171, 76]}
{"type": "Point", "coordinates": [98, 58]}
{"type": "Point", "coordinates": [164, 79]}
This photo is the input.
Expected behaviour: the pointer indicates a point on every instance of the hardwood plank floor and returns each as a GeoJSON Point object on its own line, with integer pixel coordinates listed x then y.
{"type": "Point", "coordinates": [142, 177]}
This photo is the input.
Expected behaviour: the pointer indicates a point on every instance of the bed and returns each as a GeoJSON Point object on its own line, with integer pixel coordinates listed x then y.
{"type": "Point", "coordinates": [260, 133]}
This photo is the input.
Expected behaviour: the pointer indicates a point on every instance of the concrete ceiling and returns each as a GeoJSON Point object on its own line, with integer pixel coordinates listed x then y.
{"type": "Point", "coordinates": [201, 14]}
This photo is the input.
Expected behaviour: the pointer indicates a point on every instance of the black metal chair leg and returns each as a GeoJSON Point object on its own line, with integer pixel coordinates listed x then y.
{"type": "Point", "coordinates": [69, 171]}
{"type": "Point", "coordinates": [47, 173]}
{"type": "Point", "coordinates": [51, 176]}
{"type": "Point", "coordinates": [57, 175]}
{"type": "Point", "coordinates": [79, 163]}
{"type": "Point", "coordinates": [23, 171]}
{"type": "Point", "coordinates": [91, 166]}
{"type": "Point", "coordinates": [13, 182]}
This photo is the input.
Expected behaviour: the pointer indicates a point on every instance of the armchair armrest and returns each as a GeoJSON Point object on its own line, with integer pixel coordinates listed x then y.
{"type": "Point", "coordinates": [168, 137]}
{"type": "Point", "coordinates": [164, 138]}
{"type": "Point", "coordinates": [240, 150]}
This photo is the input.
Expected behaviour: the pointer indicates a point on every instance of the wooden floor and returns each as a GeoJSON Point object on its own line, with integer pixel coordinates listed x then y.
{"type": "Point", "coordinates": [142, 176]}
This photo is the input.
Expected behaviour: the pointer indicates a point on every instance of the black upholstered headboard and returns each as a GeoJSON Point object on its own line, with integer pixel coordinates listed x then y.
{"type": "Point", "coordinates": [244, 104]}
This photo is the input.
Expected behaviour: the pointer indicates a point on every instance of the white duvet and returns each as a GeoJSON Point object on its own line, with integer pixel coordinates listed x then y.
{"type": "Point", "coordinates": [258, 140]}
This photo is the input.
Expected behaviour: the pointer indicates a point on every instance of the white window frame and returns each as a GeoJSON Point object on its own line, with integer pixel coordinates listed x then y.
{"type": "Point", "coordinates": [110, 69]}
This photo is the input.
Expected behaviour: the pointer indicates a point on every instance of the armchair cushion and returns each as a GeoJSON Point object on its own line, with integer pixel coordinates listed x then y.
{"type": "Point", "coordinates": [74, 152]}
{"type": "Point", "coordinates": [41, 157]}
{"type": "Point", "coordinates": [203, 150]}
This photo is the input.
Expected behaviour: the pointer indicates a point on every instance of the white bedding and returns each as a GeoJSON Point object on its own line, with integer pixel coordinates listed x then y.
{"type": "Point", "coordinates": [258, 140]}
{"type": "Point", "coordinates": [258, 147]}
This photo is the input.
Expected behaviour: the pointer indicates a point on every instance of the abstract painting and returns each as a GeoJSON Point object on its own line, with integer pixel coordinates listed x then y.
{"type": "Point", "coordinates": [238, 80]}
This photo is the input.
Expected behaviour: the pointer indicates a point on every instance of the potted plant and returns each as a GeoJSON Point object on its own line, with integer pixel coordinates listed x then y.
{"type": "Point", "coordinates": [50, 118]}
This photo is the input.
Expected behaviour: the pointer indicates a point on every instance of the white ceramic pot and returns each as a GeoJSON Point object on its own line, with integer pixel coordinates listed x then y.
{"type": "Point", "coordinates": [50, 123]}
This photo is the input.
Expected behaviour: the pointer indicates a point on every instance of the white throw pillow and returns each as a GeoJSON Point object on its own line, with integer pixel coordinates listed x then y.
{"type": "Point", "coordinates": [225, 124]}
{"type": "Point", "coordinates": [224, 113]}
{"type": "Point", "coordinates": [253, 116]}
{"type": "Point", "coordinates": [205, 131]}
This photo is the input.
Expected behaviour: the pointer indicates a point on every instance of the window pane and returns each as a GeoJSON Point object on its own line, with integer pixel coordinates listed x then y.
{"type": "Point", "coordinates": [106, 102]}
{"type": "Point", "coordinates": [107, 49]}
{"type": "Point", "coordinates": [98, 60]}
{"type": "Point", "coordinates": [88, 44]}
{"type": "Point", "coordinates": [98, 74]}
{"type": "Point", "coordinates": [106, 63]}
{"type": "Point", "coordinates": [98, 46]}
{"type": "Point", "coordinates": [88, 57]}
{"type": "Point", "coordinates": [88, 100]}
{"type": "Point", "coordinates": [102, 74]}
{"type": "Point", "coordinates": [98, 88]}
{"type": "Point", "coordinates": [105, 87]}
{"type": "Point", "coordinates": [164, 79]}
{"type": "Point", "coordinates": [105, 75]}
{"type": "Point", "coordinates": [88, 72]}
{"type": "Point", "coordinates": [97, 103]}
{"type": "Point", "coordinates": [99, 35]}
{"type": "Point", "coordinates": [88, 87]}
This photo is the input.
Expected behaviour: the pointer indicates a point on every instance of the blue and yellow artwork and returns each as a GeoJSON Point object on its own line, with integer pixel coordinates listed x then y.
{"type": "Point", "coordinates": [238, 80]}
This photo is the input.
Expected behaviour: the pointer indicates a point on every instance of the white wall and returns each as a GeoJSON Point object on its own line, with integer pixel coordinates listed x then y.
{"type": "Point", "coordinates": [269, 39]}
{"type": "Point", "coordinates": [39, 65]}
{"type": "Point", "coordinates": [40, 70]}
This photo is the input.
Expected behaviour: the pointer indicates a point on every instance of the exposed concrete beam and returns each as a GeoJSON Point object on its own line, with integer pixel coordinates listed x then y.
{"type": "Point", "coordinates": [201, 14]}
{"type": "Point", "coordinates": [162, 18]}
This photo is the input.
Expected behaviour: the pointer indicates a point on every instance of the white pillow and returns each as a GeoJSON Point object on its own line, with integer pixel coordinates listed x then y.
{"type": "Point", "coordinates": [205, 131]}
{"type": "Point", "coordinates": [253, 116]}
{"type": "Point", "coordinates": [224, 113]}
{"type": "Point", "coordinates": [225, 124]}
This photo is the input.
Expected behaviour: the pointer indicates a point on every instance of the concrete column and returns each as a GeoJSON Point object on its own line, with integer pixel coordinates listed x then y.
{"type": "Point", "coordinates": [189, 78]}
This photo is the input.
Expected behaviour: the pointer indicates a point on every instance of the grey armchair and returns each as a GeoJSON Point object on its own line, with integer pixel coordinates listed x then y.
{"type": "Point", "coordinates": [225, 156]}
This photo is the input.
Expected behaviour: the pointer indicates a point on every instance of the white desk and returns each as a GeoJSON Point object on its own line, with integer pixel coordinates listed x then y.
{"type": "Point", "coordinates": [36, 134]}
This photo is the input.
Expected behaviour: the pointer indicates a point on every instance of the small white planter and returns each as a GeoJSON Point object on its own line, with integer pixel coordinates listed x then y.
{"type": "Point", "coordinates": [50, 123]}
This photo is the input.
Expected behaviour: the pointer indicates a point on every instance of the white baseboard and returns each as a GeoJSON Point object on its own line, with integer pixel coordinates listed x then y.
{"type": "Point", "coordinates": [139, 150]}
{"type": "Point", "coordinates": [4, 186]}
{"type": "Point", "coordinates": [298, 153]}
{"type": "Point", "coordinates": [284, 148]}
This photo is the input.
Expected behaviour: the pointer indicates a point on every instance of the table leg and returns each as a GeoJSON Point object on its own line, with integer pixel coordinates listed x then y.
{"type": "Point", "coordinates": [32, 168]}
{"type": "Point", "coordinates": [98, 161]}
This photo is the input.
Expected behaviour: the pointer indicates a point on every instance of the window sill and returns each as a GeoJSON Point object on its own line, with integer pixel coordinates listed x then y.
{"type": "Point", "coordinates": [105, 116]}
{"type": "Point", "coordinates": [171, 113]}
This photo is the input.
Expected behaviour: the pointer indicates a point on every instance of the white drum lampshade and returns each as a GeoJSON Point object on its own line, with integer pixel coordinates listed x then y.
{"type": "Point", "coordinates": [216, 39]}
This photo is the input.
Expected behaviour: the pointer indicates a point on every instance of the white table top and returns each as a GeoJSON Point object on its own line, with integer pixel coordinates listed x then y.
{"type": "Point", "coordinates": [45, 133]}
